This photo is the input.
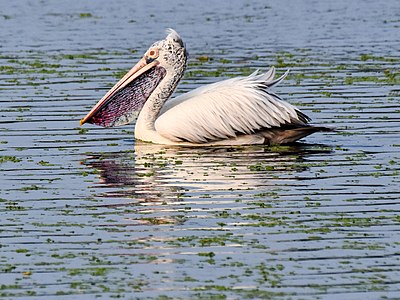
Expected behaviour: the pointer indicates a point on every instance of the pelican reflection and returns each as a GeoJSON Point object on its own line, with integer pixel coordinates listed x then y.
{"type": "Point", "coordinates": [168, 174]}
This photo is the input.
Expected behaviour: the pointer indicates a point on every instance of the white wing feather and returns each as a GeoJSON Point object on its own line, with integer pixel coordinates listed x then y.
{"type": "Point", "coordinates": [225, 109]}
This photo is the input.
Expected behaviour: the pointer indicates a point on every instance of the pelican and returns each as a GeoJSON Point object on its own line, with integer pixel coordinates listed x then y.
{"type": "Point", "coordinates": [236, 111]}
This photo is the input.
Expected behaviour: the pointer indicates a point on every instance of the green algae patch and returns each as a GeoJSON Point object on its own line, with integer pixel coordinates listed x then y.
{"type": "Point", "coordinates": [85, 15]}
{"type": "Point", "coordinates": [8, 158]}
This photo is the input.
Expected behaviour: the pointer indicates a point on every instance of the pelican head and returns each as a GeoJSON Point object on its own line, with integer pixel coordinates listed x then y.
{"type": "Point", "coordinates": [164, 61]}
{"type": "Point", "coordinates": [170, 53]}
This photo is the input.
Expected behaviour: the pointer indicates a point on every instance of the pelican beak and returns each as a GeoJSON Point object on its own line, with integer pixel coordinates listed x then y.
{"type": "Point", "coordinates": [122, 103]}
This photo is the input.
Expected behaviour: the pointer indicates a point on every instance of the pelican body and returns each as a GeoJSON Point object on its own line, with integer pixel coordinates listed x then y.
{"type": "Point", "coordinates": [236, 111]}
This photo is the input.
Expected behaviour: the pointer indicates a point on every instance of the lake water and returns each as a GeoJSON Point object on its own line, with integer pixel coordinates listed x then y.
{"type": "Point", "coordinates": [89, 213]}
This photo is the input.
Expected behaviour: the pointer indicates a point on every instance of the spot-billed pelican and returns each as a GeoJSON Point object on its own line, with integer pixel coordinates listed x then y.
{"type": "Point", "coordinates": [237, 111]}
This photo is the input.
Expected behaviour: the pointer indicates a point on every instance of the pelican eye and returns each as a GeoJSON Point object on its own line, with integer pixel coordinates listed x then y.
{"type": "Point", "coordinates": [151, 55]}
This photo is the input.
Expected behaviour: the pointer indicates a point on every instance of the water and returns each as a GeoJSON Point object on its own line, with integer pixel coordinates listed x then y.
{"type": "Point", "coordinates": [88, 212]}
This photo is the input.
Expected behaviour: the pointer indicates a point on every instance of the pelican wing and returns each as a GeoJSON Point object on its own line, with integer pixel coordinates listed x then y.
{"type": "Point", "coordinates": [226, 109]}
